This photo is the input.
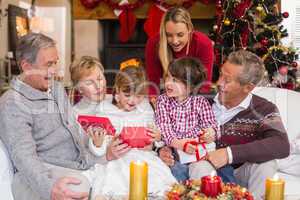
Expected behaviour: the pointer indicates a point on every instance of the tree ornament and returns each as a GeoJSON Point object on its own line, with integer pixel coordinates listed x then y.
{"type": "Point", "coordinates": [219, 3]}
{"type": "Point", "coordinates": [285, 14]}
{"type": "Point", "coordinates": [90, 4]}
{"type": "Point", "coordinates": [215, 27]}
{"type": "Point", "coordinates": [227, 22]}
{"type": "Point", "coordinates": [294, 64]}
{"type": "Point", "coordinates": [264, 41]}
{"type": "Point", "coordinates": [259, 8]}
{"type": "Point", "coordinates": [283, 70]}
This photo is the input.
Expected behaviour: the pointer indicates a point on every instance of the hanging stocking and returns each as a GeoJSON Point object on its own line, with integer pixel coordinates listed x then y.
{"type": "Point", "coordinates": [152, 23]}
{"type": "Point", "coordinates": [127, 21]}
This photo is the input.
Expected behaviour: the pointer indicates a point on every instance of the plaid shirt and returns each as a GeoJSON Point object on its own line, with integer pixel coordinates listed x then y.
{"type": "Point", "coordinates": [185, 119]}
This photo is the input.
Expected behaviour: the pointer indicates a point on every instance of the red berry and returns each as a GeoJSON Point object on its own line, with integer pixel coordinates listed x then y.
{"type": "Point", "coordinates": [285, 14]}
{"type": "Point", "coordinates": [294, 64]}
{"type": "Point", "coordinates": [283, 70]}
{"type": "Point", "coordinates": [264, 41]}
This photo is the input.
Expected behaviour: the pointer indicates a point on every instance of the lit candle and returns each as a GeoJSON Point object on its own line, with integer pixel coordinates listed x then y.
{"type": "Point", "coordinates": [274, 188]}
{"type": "Point", "coordinates": [211, 185]}
{"type": "Point", "coordinates": [138, 181]}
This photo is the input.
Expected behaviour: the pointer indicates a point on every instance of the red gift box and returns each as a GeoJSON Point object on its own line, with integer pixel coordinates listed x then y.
{"type": "Point", "coordinates": [103, 122]}
{"type": "Point", "coordinates": [135, 137]}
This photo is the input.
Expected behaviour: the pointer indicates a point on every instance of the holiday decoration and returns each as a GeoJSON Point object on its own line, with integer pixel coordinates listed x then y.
{"type": "Point", "coordinates": [254, 25]}
{"type": "Point", "coordinates": [124, 10]}
{"type": "Point", "coordinates": [211, 185]}
{"type": "Point", "coordinates": [285, 14]}
{"type": "Point", "coordinates": [152, 23]}
{"type": "Point", "coordinates": [294, 64]}
{"type": "Point", "coordinates": [191, 190]}
{"type": "Point", "coordinates": [264, 41]}
{"type": "Point", "coordinates": [90, 4]}
{"type": "Point", "coordinates": [283, 70]}
{"type": "Point", "coordinates": [227, 22]}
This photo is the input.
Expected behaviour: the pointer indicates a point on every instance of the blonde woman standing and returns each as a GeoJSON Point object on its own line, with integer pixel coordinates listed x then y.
{"type": "Point", "coordinates": [177, 39]}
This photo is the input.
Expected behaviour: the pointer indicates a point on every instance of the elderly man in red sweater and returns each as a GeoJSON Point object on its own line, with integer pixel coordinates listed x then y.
{"type": "Point", "coordinates": [252, 133]}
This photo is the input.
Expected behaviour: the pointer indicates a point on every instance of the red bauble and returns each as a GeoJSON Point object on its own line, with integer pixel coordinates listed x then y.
{"type": "Point", "coordinates": [283, 70]}
{"type": "Point", "coordinates": [264, 41]}
{"type": "Point", "coordinates": [90, 4]}
{"type": "Point", "coordinates": [294, 64]}
{"type": "Point", "coordinates": [285, 14]}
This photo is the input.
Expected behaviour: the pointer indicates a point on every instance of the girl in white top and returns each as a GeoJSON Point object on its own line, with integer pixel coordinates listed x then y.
{"type": "Point", "coordinates": [87, 75]}
{"type": "Point", "coordinates": [127, 108]}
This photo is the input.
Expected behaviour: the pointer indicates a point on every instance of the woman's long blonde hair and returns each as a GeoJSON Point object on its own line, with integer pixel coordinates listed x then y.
{"type": "Point", "coordinates": [176, 15]}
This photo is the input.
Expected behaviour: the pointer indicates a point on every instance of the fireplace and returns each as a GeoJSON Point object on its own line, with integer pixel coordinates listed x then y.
{"type": "Point", "coordinates": [114, 52]}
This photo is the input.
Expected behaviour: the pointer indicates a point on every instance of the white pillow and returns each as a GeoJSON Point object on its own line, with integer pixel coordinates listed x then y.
{"type": "Point", "coordinates": [6, 169]}
{"type": "Point", "coordinates": [290, 165]}
{"type": "Point", "coordinates": [295, 145]}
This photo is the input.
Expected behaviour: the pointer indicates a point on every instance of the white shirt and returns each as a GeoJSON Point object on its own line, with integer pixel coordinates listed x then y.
{"type": "Point", "coordinates": [223, 114]}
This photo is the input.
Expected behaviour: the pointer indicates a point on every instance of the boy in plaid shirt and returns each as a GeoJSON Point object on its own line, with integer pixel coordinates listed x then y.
{"type": "Point", "coordinates": [186, 120]}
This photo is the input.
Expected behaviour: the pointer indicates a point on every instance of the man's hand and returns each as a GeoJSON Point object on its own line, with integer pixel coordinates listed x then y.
{"type": "Point", "coordinates": [218, 158]}
{"type": "Point", "coordinates": [60, 190]}
{"type": "Point", "coordinates": [165, 154]}
{"type": "Point", "coordinates": [116, 149]}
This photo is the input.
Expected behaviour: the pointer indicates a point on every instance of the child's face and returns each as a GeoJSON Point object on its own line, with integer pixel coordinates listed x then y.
{"type": "Point", "coordinates": [93, 86]}
{"type": "Point", "coordinates": [128, 101]}
{"type": "Point", "coordinates": [175, 88]}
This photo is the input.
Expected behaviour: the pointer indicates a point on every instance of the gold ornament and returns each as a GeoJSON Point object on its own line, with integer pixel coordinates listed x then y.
{"type": "Point", "coordinates": [227, 22]}
{"type": "Point", "coordinates": [259, 8]}
{"type": "Point", "coordinates": [215, 27]}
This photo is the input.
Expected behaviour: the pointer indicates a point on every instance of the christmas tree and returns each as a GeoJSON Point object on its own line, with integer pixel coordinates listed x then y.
{"type": "Point", "coordinates": [254, 25]}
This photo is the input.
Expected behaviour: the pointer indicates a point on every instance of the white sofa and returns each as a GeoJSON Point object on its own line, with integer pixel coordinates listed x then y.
{"type": "Point", "coordinates": [6, 174]}
{"type": "Point", "coordinates": [288, 103]}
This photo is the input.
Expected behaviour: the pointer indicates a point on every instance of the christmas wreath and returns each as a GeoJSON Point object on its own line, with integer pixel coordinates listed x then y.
{"type": "Point", "coordinates": [191, 190]}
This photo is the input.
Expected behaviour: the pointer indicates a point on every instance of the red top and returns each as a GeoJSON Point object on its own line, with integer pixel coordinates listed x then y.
{"type": "Point", "coordinates": [200, 47]}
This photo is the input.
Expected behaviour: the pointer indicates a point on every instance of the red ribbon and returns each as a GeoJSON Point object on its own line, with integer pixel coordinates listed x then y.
{"type": "Point", "coordinates": [197, 151]}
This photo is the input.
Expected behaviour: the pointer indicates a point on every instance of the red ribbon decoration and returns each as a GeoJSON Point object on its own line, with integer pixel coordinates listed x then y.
{"type": "Point", "coordinates": [197, 151]}
{"type": "Point", "coordinates": [91, 4]}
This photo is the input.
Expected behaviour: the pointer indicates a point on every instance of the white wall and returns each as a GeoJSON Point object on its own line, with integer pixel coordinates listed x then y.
{"type": "Point", "coordinates": [60, 12]}
{"type": "Point", "coordinates": [87, 38]}
{"type": "Point", "coordinates": [291, 23]}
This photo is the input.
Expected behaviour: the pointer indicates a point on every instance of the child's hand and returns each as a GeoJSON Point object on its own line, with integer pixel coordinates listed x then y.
{"type": "Point", "coordinates": [152, 100]}
{"type": "Point", "coordinates": [186, 146]}
{"type": "Point", "coordinates": [191, 149]}
{"type": "Point", "coordinates": [147, 148]}
{"type": "Point", "coordinates": [154, 133]}
{"type": "Point", "coordinates": [97, 134]}
{"type": "Point", "coordinates": [208, 135]}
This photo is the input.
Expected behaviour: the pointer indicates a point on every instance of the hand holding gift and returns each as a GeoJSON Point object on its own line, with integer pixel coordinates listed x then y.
{"type": "Point", "coordinates": [207, 135]}
{"type": "Point", "coordinates": [97, 134]}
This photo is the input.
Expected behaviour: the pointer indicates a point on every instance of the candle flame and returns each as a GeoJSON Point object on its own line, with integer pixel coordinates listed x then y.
{"type": "Point", "coordinates": [213, 173]}
{"type": "Point", "coordinates": [276, 177]}
{"type": "Point", "coordinates": [244, 190]}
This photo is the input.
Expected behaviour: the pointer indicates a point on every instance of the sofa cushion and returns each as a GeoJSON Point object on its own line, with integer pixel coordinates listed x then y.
{"type": "Point", "coordinates": [287, 102]}
{"type": "Point", "coordinates": [6, 174]}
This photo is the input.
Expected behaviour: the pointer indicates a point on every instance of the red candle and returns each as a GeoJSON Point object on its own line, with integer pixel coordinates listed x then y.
{"type": "Point", "coordinates": [211, 185]}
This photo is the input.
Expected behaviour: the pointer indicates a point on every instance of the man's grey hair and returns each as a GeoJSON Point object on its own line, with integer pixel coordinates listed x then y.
{"type": "Point", "coordinates": [29, 46]}
{"type": "Point", "coordinates": [253, 67]}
